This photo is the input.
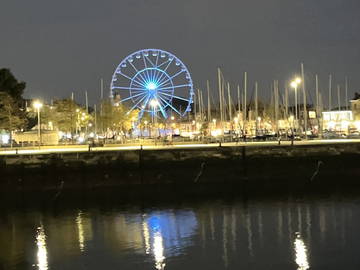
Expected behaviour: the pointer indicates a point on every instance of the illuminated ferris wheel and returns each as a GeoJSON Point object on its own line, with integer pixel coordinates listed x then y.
{"type": "Point", "coordinates": [153, 81]}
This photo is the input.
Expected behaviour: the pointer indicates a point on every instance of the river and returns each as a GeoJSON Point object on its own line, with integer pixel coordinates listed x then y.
{"type": "Point", "coordinates": [317, 232]}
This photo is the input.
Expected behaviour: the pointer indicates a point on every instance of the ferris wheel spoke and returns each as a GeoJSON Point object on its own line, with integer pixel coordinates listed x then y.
{"type": "Point", "coordinates": [137, 71]}
{"type": "Point", "coordinates": [141, 113]}
{"type": "Point", "coordinates": [136, 104]}
{"type": "Point", "coordinates": [177, 97]}
{"type": "Point", "coordinates": [131, 97]}
{"type": "Point", "coordinates": [164, 63]}
{"type": "Point", "coordinates": [150, 61]}
{"type": "Point", "coordinates": [172, 77]}
{"type": "Point", "coordinates": [166, 97]}
{"type": "Point", "coordinates": [163, 75]}
{"type": "Point", "coordinates": [167, 103]}
{"type": "Point", "coordinates": [142, 85]}
{"type": "Point", "coordinates": [166, 91]}
{"type": "Point", "coordinates": [129, 88]}
{"type": "Point", "coordinates": [147, 100]}
{"type": "Point", "coordinates": [157, 75]}
{"type": "Point", "coordinates": [124, 75]}
{"type": "Point", "coordinates": [131, 79]}
{"type": "Point", "coordinates": [143, 79]}
{"type": "Point", "coordinates": [162, 78]}
{"type": "Point", "coordinates": [152, 72]}
{"type": "Point", "coordinates": [163, 111]}
{"type": "Point", "coordinates": [174, 86]}
{"type": "Point", "coordinates": [133, 66]}
{"type": "Point", "coordinates": [145, 65]}
{"type": "Point", "coordinates": [148, 75]}
{"type": "Point", "coordinates": [136, 99]}
{"type": "Point", "coordinates": [157, 59]}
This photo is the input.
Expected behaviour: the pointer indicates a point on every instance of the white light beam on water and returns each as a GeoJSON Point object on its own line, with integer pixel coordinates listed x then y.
{"type": "Point", "coordinates": [301, 256]}
{"type": "Point", "coordinates": [146, 236]}
{"type": "Point", "coordinates": [79, 223]}
{"type": "Point", "coordinates": [42, 259]}
{"type": "Point", "coordinates": [158, 249]}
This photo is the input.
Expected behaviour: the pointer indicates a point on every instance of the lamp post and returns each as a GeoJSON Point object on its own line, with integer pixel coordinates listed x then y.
{"type": "Point", "coordinates": [145, 128]}
{"type": "Point", "coordinates": [154, 103]}
{"type": "Point", "coordinates": [38, 105]}
{"type": "Point", "coordinates": [294, 84]}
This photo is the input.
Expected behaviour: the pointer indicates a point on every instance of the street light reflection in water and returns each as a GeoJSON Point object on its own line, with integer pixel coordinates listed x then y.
{"type": "Point", "coordinates": [162, 231]}
{"type": "Point", "coordinates": [301, 253]}
{"type": "Point", "coordinates": [42, 257]}
{"type": "Point", "coordinates": [318, 234]}
{"type": "Point", "coordinates": [79, 223]}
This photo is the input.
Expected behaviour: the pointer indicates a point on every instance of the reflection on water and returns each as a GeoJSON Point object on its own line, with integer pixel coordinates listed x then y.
{"type": "Point", "coordinates": [158, 251]}
{"type": "Point", "coordinates": [80, 227]}
{"type": "Point", "coordinates": [146, 237]}
{"type": "Point", "coordinates": [42, 260]}
{"type": "Point", "coordinates": [301, 257]}
{"type": "Point", "coordinates": [290, 234]}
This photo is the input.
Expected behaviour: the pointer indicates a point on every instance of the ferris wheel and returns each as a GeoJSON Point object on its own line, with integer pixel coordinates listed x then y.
{"type": "Point", "coordinates": [153, 81]}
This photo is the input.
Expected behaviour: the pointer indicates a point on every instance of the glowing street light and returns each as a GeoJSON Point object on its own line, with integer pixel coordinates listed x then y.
{"type": "Point", "coordinates": [154, 103]}
{"type": "Point", "coordinates": [38, 105]}
{"type": "Point", "coordinates": [214, 122]}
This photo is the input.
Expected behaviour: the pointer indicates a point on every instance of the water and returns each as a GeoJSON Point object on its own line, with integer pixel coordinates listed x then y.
{"type": "Point", "coordinates": [306, 233]}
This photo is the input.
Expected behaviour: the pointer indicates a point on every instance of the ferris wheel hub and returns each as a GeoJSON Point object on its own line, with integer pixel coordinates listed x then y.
{"type": "Point", "coordinates": [151, 86]}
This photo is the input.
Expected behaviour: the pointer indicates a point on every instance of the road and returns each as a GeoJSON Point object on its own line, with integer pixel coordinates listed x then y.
{"type": "Point", "coordinates": [85, 148]}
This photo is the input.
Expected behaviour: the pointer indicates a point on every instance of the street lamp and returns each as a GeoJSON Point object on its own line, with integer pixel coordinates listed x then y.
{"type": "Point", "coordinates": [38, 105]}
{"type": "Point", "coordinates": [154, 103]}
{"type": "Point", "coordinates": [294, 84]}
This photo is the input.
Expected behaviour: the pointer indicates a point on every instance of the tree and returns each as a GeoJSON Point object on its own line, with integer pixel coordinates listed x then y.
{"type": "Point", "coordinates": [115, 117]}
{"type": "Point", "coordinates": [357, 96]}
{"type": "Point", "coordinates": [69, 116]}
{"type": "Point", "coordinates": [9, 119]}
{"type": "Point", "coordinates": [11, 91]}
{"type": "Point", "coordinates": [10, 85]}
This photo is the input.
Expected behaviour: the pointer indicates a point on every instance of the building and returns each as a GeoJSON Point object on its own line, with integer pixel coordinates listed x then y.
{"type": "Point", "coordinates": [355, 108]}
{"type": "Point", "coordinates": [32, 137]}
{"type": "Point", "coordinates": [338, 121]}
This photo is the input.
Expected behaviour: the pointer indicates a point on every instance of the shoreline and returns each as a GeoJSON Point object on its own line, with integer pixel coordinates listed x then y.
{"type": "Point", "coordinates": [193, 171]}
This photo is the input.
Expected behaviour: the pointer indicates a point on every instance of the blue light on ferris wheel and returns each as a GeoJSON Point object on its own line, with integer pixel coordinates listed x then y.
{"type": "Point", "coordinates": [151, 86]}
{"type": "Point", "coordinates": [150, 80]}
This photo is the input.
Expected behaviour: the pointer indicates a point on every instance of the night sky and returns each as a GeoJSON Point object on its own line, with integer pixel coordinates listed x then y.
{"type": "Point", "coordinates": [59, 47]}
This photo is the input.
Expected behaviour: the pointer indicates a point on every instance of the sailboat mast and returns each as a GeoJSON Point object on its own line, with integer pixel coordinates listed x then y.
{"type": "Point", "coordinates": [220, 96]}
{"type": "Point", "coordinates": [305, 99]}
{"type": "Point", "coordinates": [346, 94]}
{"type": "Point", "coordinates": [330, 90]}
{"type": "Point", "coordinates": [208, 101]}
{"type": "Point", "coordinates": [338, 96]}
{"type": "Point", "coordinates": [229, 98]}
{"type": "Point", "coordinates": [245, 99]}
{"type": "Point", "coordinates": [256, 109]}
{"type": "Point", "coordinates": [86, 102]}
